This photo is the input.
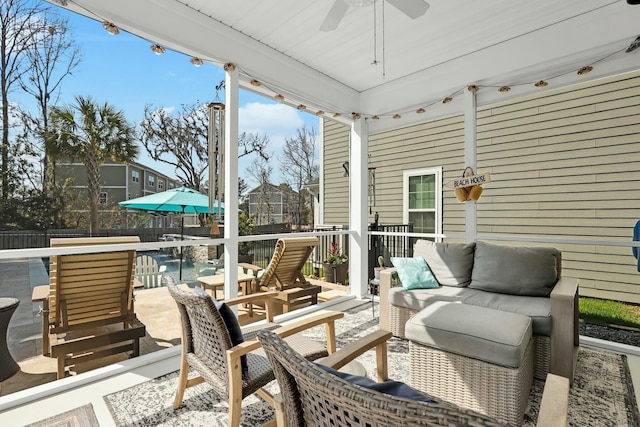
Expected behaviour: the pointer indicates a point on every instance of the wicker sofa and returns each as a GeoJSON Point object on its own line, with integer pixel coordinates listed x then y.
{"type": "Point", "coordinates": [523, 280]}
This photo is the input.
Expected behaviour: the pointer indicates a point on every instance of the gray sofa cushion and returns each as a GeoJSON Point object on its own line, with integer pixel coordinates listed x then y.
{"type": "Point", "coordinates": [451, 263]}
{"type": "Point", "coordinates": [497, 337]}
{"type": "Point", "coordinates": [417, 299]}
{"type": "Point", "coordinates": [537, 308]}
{"type": "Point", "coordinates": [530, 271]}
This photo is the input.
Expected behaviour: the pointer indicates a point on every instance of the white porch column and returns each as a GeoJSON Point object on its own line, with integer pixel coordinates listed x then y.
{"type": "Point", "coordinates": [470, 159]}
{"type": "Point", "coordinates": [358, 202]}
{"type": "Point", "coordinates": [230, 162]}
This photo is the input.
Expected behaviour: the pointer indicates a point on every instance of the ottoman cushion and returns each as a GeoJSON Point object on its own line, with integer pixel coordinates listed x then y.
{"type": "Point", "coordinates": [493, 336]}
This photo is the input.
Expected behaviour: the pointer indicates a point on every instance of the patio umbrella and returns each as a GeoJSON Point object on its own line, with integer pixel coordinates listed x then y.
{"type": "Point", "coordinates": [183, 199]}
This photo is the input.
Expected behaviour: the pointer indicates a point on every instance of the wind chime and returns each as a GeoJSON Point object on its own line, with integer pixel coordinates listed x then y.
{"type": "Point", "coordinates": [216, 160]}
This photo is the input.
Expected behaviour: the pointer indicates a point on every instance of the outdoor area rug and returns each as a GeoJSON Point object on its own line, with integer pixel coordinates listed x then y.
{"type": "Point", "coordinates": [78, 417]}
{"type": "Point", "coordinates": [602, 394]}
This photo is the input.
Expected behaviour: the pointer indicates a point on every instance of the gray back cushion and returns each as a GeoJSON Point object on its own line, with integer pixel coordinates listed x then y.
{"type": "Point", "coordinates": [531, 271]}
{"type": "Point", "coordinates": [450, 263]}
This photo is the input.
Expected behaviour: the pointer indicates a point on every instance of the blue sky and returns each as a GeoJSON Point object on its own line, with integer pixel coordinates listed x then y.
{"type": "Point", "coordinates": [123, 71]}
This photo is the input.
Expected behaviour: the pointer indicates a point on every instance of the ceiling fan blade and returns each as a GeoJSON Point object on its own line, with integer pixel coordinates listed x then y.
{"type": "Point", "coordinates": [335, 15]}
{"type": "Point", "coordinates": [412, 8]}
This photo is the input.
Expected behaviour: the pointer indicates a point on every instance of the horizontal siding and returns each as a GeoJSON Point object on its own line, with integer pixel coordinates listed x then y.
{"type": "Point", "coordinates": [336, 186]}
{"type": "Point", "coordinates": [565, 163]}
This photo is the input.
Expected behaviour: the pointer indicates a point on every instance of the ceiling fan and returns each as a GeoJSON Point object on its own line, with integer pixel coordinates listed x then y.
{"type": "Point", "coordinates": [412, 8]}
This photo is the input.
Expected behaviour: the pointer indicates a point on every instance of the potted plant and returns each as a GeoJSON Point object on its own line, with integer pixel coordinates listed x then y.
{"type": "Point", "coordinates": [245, 228]}
{"type": "Point", "coordinates": [336, 266]}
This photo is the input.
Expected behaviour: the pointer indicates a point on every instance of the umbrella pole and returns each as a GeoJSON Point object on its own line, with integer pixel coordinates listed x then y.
{"type": "Point", "coordinates": [181, 238]}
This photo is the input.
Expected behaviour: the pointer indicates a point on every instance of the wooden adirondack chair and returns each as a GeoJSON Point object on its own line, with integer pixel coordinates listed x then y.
{"type": "Point", "coordinates": [148, 272]}
{"type": "Point", "coordinates": [89, 302]}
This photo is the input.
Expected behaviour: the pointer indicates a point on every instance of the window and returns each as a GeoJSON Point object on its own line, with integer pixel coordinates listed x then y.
{"type": "Point", "coordinates": [102, 199]}
{"type": "Point", "coordinates": [152, 181]}
{"type": "Point", "coordinates": [128, 196]}
{"type": "Point", "coordinates": [171, 185]}
{"type": "Point", "coordinates": [422, 200]}
{"type": "Point", "coordinates": [135, 176]}
{"type": "Point", "coordinates": [160, 184]}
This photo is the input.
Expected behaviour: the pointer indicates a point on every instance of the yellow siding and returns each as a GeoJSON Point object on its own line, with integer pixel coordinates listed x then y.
{"type": "Point", "coordinates": [563, 163]}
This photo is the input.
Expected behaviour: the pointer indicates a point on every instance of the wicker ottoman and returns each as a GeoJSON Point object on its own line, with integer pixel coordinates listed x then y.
{"type": "Point", "coordinates": [473, 357]}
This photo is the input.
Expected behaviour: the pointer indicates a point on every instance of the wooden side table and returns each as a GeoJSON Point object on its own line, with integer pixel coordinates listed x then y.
{"type": "Point", "coordinates": [8, 366]}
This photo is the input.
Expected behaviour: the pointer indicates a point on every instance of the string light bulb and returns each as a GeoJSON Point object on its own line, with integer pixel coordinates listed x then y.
{"type": "Point", "coordinates": [255, 83]}
{"type": "Point", "coordinates": [111, 28]}
{"type": "Point", "coordinates": [279, 98]}
{"type": "Point", "coordinates": [473, 88]}
{"type": "Point", "coordinates": [319, 113]}
{"type": "Point", "coordinates": [375, 118]}
{"type": "Point", "coordinates": [541, 84]}
{"type": "Point", "coordinates": [504, 89]}
{"type": "Point", "coordinates": [421, 111]}
{"type": "Point", "coordinates": [158, 49]}
{"type": "Point", "coordinates": [302, 107]}
{"type": "Point", "coordinates": [355, 116]}
{"type": "Point", "coordinates": [197, 61]}
{"type": "Point", "coordinates": [397, 116]}
{"type": "Point", "coordinates": [585, 70]}
{"type": "Point", "coordinates": [447, 100]}
{"type": "Point", "coordinates": [337, 115]}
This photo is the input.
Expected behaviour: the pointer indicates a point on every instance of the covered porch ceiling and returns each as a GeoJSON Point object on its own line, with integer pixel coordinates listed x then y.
{"type": "Point", "coordinates": [454, 44]}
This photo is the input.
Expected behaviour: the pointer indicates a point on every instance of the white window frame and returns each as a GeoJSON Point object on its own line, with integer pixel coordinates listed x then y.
{"type": "Point", "coordinates": [135, 176]}
{"type": "Point", "coordinates": [160, 184]}
{"type": "Point", "coordinates": [103, 196]}
{"type": "Point", "coordinates": [437, 171]}
{"type": "Point", "coordinates": [151, 181]}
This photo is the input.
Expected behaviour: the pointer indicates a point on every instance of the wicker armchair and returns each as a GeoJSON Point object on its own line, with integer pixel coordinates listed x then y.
{"type": "Point", "coordinates": [207, 347]}
{"type": "Point", "coordinates": [312, 397]}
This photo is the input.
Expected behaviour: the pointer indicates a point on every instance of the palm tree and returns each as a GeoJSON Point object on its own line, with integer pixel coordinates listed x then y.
{"type": "Point", "coordinates": [92, 133]}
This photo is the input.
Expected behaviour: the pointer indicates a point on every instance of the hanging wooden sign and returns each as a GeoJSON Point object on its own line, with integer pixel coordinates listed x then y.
{"type": "Point", "coordinates": [468, 181]}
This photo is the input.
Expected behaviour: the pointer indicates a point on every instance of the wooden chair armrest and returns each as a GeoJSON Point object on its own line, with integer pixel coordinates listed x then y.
{"type": "Point", "coordinates": [346, 354]}
{"type": "Point", "coordinates": [564, 327]}
{"type": "Point", "coordinates": [246, 267]}
{"type": "Point", "coordinates": [327, 318]}
{"type": "Point", "coordinates": [255, 297]}
{"type": "Point", "coordinates": [554, 406]}
{"type": "Point", "coordinates": [40, 293]}
{"type": "Point", "coordinates": [386, 277]}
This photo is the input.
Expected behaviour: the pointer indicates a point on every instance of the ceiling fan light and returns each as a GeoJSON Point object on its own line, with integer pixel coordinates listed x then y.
{"type": "Point", "coordinates": [111, 28]}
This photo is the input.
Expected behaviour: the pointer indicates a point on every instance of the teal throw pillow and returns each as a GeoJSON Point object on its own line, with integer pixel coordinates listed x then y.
{"type": "Point", "coordinates": [414, 273]}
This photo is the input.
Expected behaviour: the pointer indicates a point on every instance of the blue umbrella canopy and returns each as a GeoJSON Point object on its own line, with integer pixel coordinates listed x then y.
{"type": "Point", "coordinates": [181, 199]}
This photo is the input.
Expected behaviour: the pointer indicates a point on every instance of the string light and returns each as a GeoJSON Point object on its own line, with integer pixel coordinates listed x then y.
{"type": "Point", "coordinates": [541, 84]}
{"type": "Point", "coordinates": [157, 49]}
{"type": "Point", "coordinates": [111, 28]}
{"type": "Point", "coordinates": [585, 70]}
